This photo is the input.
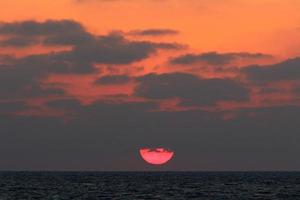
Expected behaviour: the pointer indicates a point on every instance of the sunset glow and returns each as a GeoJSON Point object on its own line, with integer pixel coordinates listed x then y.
{"type": "Point", "coordinates": [88, 82]}
{"type": "Point", "coordinates": [196, 34]}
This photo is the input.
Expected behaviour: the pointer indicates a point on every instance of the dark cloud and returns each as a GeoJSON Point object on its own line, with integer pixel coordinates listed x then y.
{"type": "Point", "coordinates": [270, 90]}
{"type": "Point", "coordinates": [105, 136]}
{"type": "Point", "coordinates": [285, 71]}
{"type": "Point", "coordinates": [115, 49]}
{"type": "Point", "coordinates": [154, 32]}
{"type": "Point", "coordinates": [113, 79]}
{"type": "Point", "coordinates": [17, 42]}
{"type": "Point", "coordinates": [8, 107]}
{"type": "Point", "coordinates": [23, 76]}
{"type": "Point", "coordinates": [214, 58]}
{"type": "Point", "coordinates": [52, 64]}
{"type": "Point", "coordinates": [5, 58]}
{"type": "Point", "coordinates": [70, 104]}
{"type": "Point", "coordinates": [191, 88]}
{"type": "Point", "coordinates": [296, 90]}
{"type": "Point", "coordinates": [51, 32]}
{"type": "Point", "coordinates": [35, 67]}
{"type": "Point", "coordinates": [36, 90]}
{"type": "Point", "coordinates": [75, 38]}
{"type": "Point", "coordinates": [46, 28]}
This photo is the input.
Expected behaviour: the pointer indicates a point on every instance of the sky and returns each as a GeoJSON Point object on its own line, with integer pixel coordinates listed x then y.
{"type": "Point", "coordinates": [86, 84]}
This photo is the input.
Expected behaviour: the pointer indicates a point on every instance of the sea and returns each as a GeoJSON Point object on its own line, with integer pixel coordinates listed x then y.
{"type": "Point", "coordinates": [149, 185]}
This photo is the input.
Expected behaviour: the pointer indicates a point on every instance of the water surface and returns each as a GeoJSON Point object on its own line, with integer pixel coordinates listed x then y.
{"type": "Point", "coordinates": [149, 185]}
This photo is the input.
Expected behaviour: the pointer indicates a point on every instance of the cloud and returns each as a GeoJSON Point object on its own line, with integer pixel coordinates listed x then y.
{"type": "Point", "coordinates": [115, 49]}
{"type": "Point", "coordinates": [215, 58]}
{"type": "Point", "coordinates": [9, 107]}
{"type": "Point", "coordinates": [154, 32]}
{"type": "Point", "coordinates": [112, 48]}
{"type": "Point", "coordinates": [50, 32]}
{"type": "Point", "coordinates": [22, 76]}
{"type": "Point", "coordinates": [17, 42]}
{"type": "Point", "coordinates": [69, 39]}
{"type": "Point", "coordinates": [270, 90]}
{"type": "Point", "coordinates": [69, 104]}
{"type": "Point", "coordinates": [119, 130]}
{"type": "Point", "coordinates": [46, 28]}
{"type": "Point", "coordinates": [296, 90]}
{"type": "Point", "coordinates": [113, 79]}
{"type": "Point", "coordinates": [287, 70]}
{"type": "Point", "coordinates": [190, 88]}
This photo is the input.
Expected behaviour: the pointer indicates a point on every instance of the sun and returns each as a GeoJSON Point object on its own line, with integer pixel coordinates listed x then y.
{"type": "Point", "coordinates": [156, 156]}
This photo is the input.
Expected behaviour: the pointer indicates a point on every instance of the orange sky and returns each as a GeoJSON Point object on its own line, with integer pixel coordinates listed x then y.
{"type": "Point", "coordinates": [258, 26]}
{"type": "Point", "coordinates": [269, 26]}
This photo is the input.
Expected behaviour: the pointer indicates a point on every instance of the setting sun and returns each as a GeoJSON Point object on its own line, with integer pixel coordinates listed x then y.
{"type": "Point", "coordinates": [156, 156]}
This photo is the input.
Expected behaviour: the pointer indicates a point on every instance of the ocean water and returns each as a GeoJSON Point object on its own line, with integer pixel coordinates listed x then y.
{"type": "Point", "coordinates": [149, 185]}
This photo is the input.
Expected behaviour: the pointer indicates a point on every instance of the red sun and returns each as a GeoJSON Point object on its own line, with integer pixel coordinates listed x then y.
{"type": "Point", "coordinates": [156, 156]}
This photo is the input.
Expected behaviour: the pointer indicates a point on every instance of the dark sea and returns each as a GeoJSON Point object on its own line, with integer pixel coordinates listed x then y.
{"type": "Point", "coordinates": [149, 185]}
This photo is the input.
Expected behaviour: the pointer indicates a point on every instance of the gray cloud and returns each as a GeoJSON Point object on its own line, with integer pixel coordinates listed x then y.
{"type": "Point", "coordinates": [296, 90]}
{"type": "Point", "coordinates": [8, 107]}
{"type": "Point", "coordinates": [69, 104]}
{"type": "Point", "coordinates": [114, 49]}
{"type": "Point", "coordinates": [113, 79]}
{"type": "Point", "coordinates": [34, 28]}
{"type": "Point", "coordinates": [190, 88]}
{"type": "Point", "coordinates": [17, 42]}
{"type": "Point", "coordinates": [285, 71]}
{"type": "Point", "coordinates": [50, 32]}
{"type": "Point", "coordinates": [270, 90]}
{"type": "Point", "coordinates": [119, 130]}
{"type": "Point", "coordinates": [107, 135]}
{"type": "Point", "coordinates": [154, 32]}
{"type": "Point", "coordinates": [214, 58]}
{"type": "Point", "coordinates": [74, 38]}
{"type": "Point", "coordinates": [23, 76]}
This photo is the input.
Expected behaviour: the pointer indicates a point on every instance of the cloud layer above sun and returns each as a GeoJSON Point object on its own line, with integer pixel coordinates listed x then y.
{"type": "Point", "coordinates": [221, 83]}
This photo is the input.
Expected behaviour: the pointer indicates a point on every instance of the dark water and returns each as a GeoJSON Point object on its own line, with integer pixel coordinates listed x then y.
{"type": "Point", "coordinates": [139, 185]}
